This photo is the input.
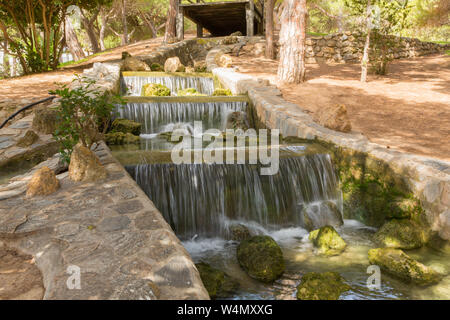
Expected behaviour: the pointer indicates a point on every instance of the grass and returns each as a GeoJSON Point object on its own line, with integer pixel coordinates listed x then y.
{"type": "Point", "coordinates": [71, 63]}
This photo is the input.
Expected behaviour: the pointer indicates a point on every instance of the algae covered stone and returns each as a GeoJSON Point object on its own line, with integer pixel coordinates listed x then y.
{"type": "Point", "coordinates": [321, 286]}
{"type": "Point", "coordinates": [239, 232]}
{"type": "Point", "coordinates": [261, 257]}
{"type": "Point", "coordinates": [399, 264]}
{"type": "Point", "coordinates": [156, 67]}
{"type": "Point", "coordinates": [126, 126]}
{"type": "Point", "coordinates": [328, 241]}
{"type": "Point", "coordinates": [155, 90]}
{"type": "Point", "coordinates": [217, 283]}
{"type": "Point", "coordinates": [119, 138]}
{"type": "Point", "coordinates": [189, 92]}
{"type": "Point", "coordinates": [402, 234]}
{"type": "Point", "coordinates": [222, 92]}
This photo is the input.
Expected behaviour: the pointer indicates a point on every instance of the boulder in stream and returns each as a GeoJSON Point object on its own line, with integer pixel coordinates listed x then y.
{"type": "Point", "coordinates": [261, 257]}
{"type": "Point", "coordinates": [400, 265]}
{"type": "Point", "coordinates": [217, 283]}
{"type": "Point", "coordinates": [120, 138]}
{"type": "Point", "coordinates": [126, 126]}
{"type": "Point", "coordinates": [328, 241]}
{"type": "Point", "coordinates": [239, 232]}
{"type": "Point", "coordinates": [321, 286]}
{"type": "Point", "coordinates": [155, 90]}
{"type": "Point", "coordinates": [402, 234]}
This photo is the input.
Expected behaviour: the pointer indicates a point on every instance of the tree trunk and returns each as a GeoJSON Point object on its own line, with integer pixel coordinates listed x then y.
{"type": "Point", "coordinates": [89, 27]}
{"type": "Point", "coordinates": [291, 68]}
{"type": "Point", "coordinates": [270, 47]}
{"type": "Point", "coordinates": [365, 59]}
{"type": "Point", "coordinates": [72, 42]}
{"type": "Point", "coordinates": [124, 23]}
{"type": "Point", "coordinates": [5, 60]}
{"type": "Point", "coordinates": [171, 28]}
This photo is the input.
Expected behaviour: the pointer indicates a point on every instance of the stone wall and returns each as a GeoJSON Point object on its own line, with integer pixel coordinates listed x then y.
{"type": "Point", "coordinates": [349, 47]}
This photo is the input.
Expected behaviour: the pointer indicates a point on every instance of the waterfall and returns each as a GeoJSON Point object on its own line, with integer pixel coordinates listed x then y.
{"type": "Point", "coordinates": [134, 84]}
{"type": "Point", "coordinates": [201, 199]}
{"type": "Point", "coordinates": [156, 116]}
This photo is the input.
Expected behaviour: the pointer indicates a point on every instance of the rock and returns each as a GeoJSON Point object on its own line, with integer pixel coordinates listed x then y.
{"type": "Point", "coordinates": [28, 139]}
{"type": "Point", "coordinates": [173, 65]}
{"type": "Point", "coordinates": [222, 92]}
{"type": "Point", "coordinates": [261, 258]}
{"type": "Point", "coordinates": [399, 264]}
{"type": "Point", "coordinates": [155, 90]}
{"type": "Point", "coordinates": [156, 67]}
{"type": "Point", "coordinates": [125, 55]}
{"type": "Point", "coordinates": [134, 64]}
{"type": "Point", "coordinates": [334, 118]}
{"type": "Point", "coordinates": [200, 66]}
{"type": "Point", "coordinates": [189, 92]}
{"type": "Point", "coordinates": [321, 286]}
{"type": "Point", "coordinates": [322, 214]}
{"type": "Point", "coordinates": [259, 48]}
{"type": "Point", "coordinates": [217, 283]}
{"type": "Point", "coordinates": [126, 126]}
{"type": "Point", "coordinates": [237, 120]}
{"type": "Point", "coordinates": [223, 60]}
{"type": "Point", "coordinates": [45, 120]}
{"type": "Point", "coordinates": [236, 34]}
{"type": "Point", "coordinates": [229, 40]}
{"type": "Point", "coordinates": [43, 182]}
{"type": "Point", "coordinates": [404, 209]}
{"type": "Point", "coordinates": [328, 241]}
{"type": "Point", "coordinates": [190, 70]}
{"type": "Point", "coordinates": [239, 232]}
{"type": "Point", "coordinates": [119, 138]}
{"type": "Point", "coordinates": [402, 234]}
{"type": "Point", "coordinates": [85, 166]}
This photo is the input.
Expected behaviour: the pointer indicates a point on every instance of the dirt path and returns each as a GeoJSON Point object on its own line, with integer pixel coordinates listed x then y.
{"type": "Point", "coordinates": [409, 109]}
{"type": "Point", "coordinates": [20, 279]}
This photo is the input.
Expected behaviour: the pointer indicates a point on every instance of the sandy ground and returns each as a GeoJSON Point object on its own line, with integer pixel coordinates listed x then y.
{"type": "Point", "coordinates": [409, 109]}
{"type": "Point", "coordinates": [20, 279]}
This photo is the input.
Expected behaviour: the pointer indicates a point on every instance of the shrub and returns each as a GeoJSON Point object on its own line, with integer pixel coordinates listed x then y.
{"type": "Point", "coordinates": [82, 111]}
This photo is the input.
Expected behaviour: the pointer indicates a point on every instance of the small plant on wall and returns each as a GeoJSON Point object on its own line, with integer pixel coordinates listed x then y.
{"type": "Point", "coordinates": [83, 114]}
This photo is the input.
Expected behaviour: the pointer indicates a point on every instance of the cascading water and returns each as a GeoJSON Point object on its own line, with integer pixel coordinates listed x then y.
{"type": "Point", "coordinates": [157, 116]}
{"type": "Point", "coordinates": [202, 199]}
{"type": "Point", "coordinates": [132, 85]}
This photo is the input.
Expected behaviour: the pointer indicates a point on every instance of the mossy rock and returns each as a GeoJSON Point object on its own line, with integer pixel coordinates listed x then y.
{"type": "Point", "coordinates": [402, 266]}
{"type": "Point", "coordinates": [168, 137]}
{"type": "Point", "coordinates": [126, 126]}
{"type": "Point", "coordinates": [156, 67]}
{"type": "Point", "coordinates": [222, 92]}
{"type": "Point", "coordinates": [155, 90]}
{"type": "Point", "coordinates": [321, 286]}
{"type": "Point", "coordinates": [239, 232]}
{"type": "Point", "coordinates": [261, 257]}
{"type": "Point", "coordinates": [404, 209]}
{"type": "Point", "coordinates": [189, 92]}
{"type": "Point", "coordinates": [28, 139]}
{"type": "Point", "coordinates": [402, 234]}
{"type": "Point", "coordinates": [328, 241]}
{"type": "Point", "coordinates": [217, 283]}
{"type": "Point", "coordinates": [119, 138]}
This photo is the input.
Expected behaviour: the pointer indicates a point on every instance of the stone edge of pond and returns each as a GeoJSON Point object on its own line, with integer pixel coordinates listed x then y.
{"type": "Point", "coordinates": [427, 178]}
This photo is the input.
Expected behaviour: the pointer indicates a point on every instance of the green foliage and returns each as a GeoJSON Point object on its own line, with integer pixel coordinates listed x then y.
{"type": "Point", "coordinates": [82, 111]}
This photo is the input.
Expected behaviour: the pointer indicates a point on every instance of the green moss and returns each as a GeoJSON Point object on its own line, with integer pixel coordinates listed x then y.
{"type": "Point", "coordinates": [239, 232]}
{"type": "Point", "coordinates": [261, 258]}
{"type": "Point", "coordinates": [126, 126]}
{"type": "Point", "coordinates": [402, 234]}
{"type": "Point", "coordinates": [328, 241]}
{"type": "Point", "coordinates": [321, 286]}
{"type": "Point", "coordinates": [189, 92]}
{"type": "Point", "coordinates": [222, 92]}
{"type": "Point", "coordinates": [118, 138]}
{"type": "Point", "coordinates": [155, 90]}
{"type": "Point", "coordinates": [217, 283]}
{"type": "Point", "coordinates": [400, 265]}
{"type": "Point", "coordinates": [156, 67]}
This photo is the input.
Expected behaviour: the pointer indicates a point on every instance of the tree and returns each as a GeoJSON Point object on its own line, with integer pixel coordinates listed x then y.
{"type": "Point", "coordinates": [291, 68]}
{"type": "Point", "coordinates": [270, 47]}
{"type": "Point", "coordinates": [171, 28]}
{"type": "Point", "coordinates": [72, 41]}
